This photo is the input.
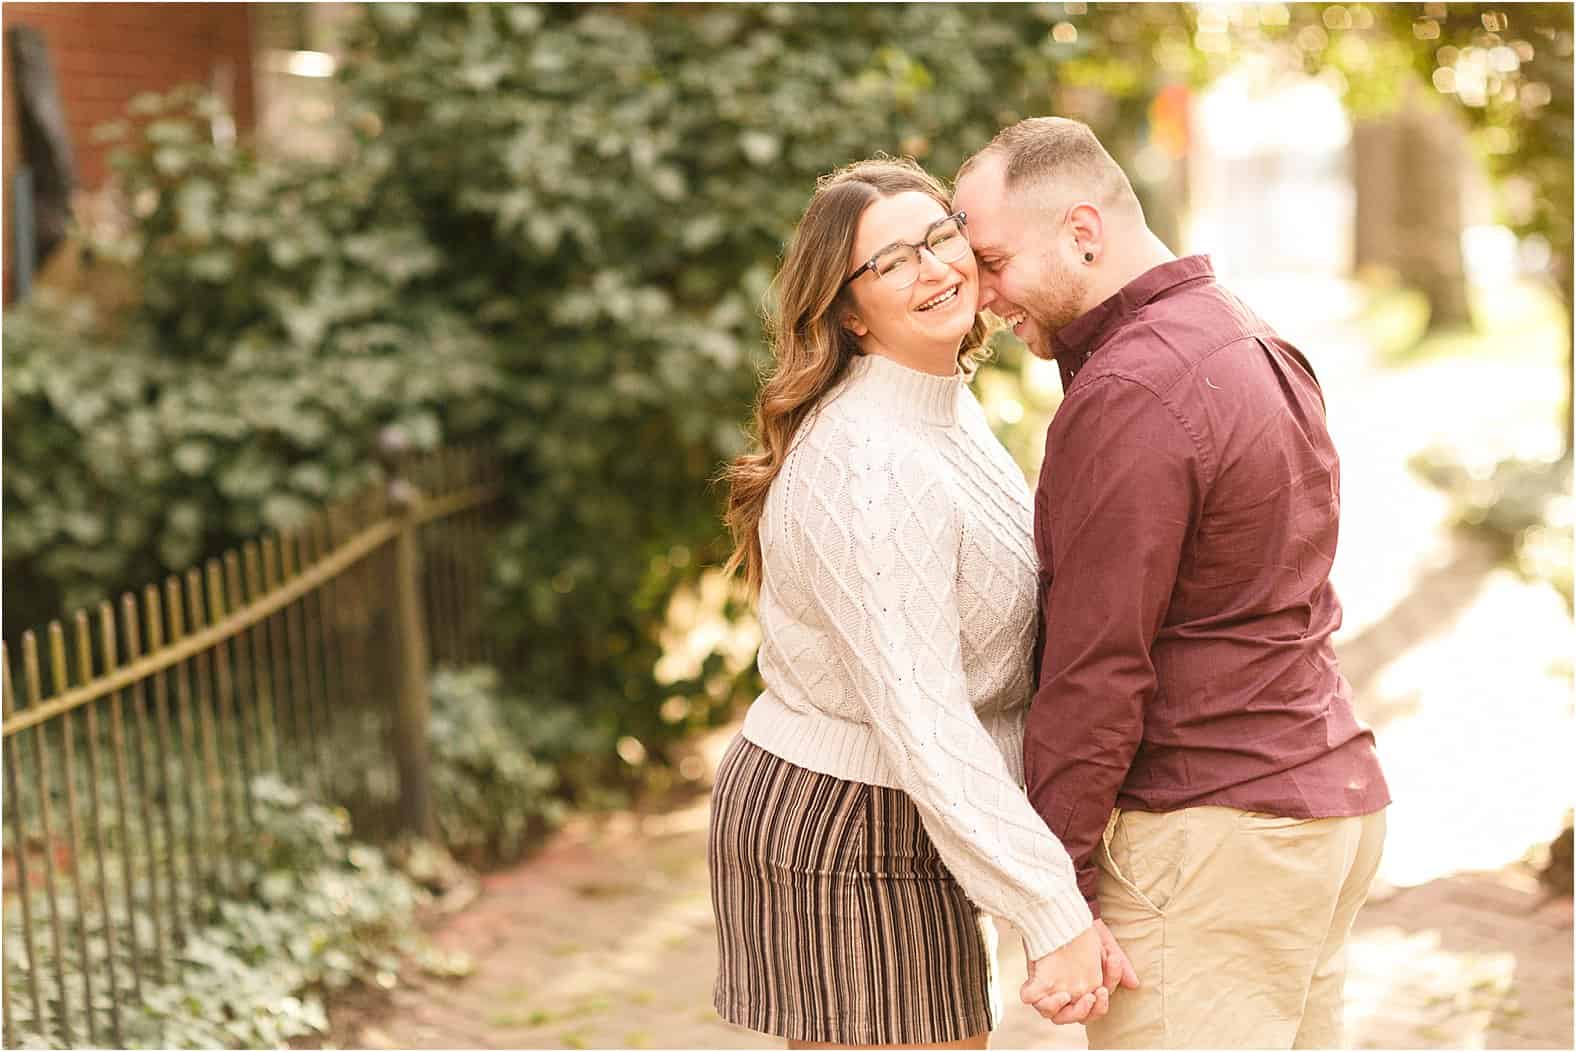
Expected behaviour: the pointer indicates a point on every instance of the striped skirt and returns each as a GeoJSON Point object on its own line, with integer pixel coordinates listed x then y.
{"type": "Point", "coordinates": [836, 919]}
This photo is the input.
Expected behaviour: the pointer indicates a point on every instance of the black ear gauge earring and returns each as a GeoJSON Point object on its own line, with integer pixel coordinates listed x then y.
{"type": "Point", "coordinates": [1088, 257]}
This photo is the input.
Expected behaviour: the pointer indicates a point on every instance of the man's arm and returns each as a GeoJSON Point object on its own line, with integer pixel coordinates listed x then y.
{"type": "Point", "coordinates": [1120, 490]}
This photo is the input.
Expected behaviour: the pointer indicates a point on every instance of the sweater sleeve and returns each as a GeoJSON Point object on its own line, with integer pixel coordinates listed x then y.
{"type": "Point", "coordinates": [882, 570]}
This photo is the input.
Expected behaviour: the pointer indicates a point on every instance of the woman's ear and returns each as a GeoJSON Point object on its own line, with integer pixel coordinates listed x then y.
{"type": "Point", "coordinates": [852, 323]}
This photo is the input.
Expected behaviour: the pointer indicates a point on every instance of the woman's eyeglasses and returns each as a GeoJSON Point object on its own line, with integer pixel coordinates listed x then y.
{"type": "Point", "coordinates": [898, 264]}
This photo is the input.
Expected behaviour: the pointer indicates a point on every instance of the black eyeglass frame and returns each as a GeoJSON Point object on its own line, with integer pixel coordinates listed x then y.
{"type": "Point", "coordinates": [923, 243]}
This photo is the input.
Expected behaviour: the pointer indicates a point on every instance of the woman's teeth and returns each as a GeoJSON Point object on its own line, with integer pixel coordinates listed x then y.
{"type": "Point", "coordinates": [946, 297]}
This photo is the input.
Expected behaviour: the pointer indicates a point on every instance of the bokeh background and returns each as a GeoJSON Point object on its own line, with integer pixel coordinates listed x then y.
{"type": "Point", "coordinates": [244, 241]}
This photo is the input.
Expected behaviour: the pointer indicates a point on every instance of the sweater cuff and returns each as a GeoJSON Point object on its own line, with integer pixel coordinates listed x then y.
{"type": "Point", "coordinates": [1053, 924]}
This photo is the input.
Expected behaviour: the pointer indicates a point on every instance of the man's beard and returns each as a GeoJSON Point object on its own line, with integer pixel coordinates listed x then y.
{"type": "Point", "coordinates": [1057, 303]}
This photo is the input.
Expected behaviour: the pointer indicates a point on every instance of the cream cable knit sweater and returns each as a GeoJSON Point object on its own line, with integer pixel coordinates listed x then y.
{"type": "Point", "coordinates": [898, 620]}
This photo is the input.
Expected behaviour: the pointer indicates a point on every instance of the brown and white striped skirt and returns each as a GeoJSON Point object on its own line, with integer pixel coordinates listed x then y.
{"type": "Point", "coordinates": [836, 918]}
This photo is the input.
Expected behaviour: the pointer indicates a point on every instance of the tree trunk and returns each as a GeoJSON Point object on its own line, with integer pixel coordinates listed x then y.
{"type": "Point", "coordinates": [1432, 152]}
{"type": "Point", "coordinates": [1568, 414]}
{"type": "Point", "coordinates": [1406, 174]}
{"type": "Point", "coordinates": [1375, 156]}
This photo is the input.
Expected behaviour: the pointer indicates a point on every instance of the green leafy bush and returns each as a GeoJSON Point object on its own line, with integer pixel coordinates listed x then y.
{"type": "Point", "coordinates": [280, 323]}
{"type": "Point", "coordinates": [490, 793]}
{"type": "Point", "coordinates": [1524, 506]}
{"type": "Point", "coordinates": [238, 254]}
{"type": "Point", "coordinates": [312, 912]}
{"type": "Point", "coordinates": [505, 766]}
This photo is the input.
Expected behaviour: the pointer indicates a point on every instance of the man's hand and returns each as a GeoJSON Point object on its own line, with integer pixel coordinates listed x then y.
{"type": "Point", "coordinates": [1118, 969]}
{"type": "Point", "coordinates": [1064, 986]}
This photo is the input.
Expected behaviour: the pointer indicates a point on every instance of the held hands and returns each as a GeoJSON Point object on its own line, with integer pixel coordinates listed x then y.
{"type": "Point", "coordinates": [1074, 984]}
{"type": "Point", "coordinates": [1064, 986]}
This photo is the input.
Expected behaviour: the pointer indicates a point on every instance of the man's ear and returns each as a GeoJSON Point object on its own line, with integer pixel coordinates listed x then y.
{"type": "Point", "coordinates": [1088, 227]}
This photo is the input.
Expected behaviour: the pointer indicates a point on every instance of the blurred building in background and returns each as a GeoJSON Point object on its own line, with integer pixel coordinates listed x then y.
{"type": "Point", "coordinates": [72, 67]}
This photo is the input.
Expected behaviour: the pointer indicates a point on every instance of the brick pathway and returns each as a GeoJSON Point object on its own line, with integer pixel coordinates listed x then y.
{"type": "Point", "coordinates": [604, 939]}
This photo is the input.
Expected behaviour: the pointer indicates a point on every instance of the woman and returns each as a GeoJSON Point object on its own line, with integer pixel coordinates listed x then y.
{"type": "Point", "coordinates": [873, 796]}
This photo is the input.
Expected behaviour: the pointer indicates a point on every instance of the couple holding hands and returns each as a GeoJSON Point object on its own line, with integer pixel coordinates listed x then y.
{"type": "Point", "coordinates": [1108, 711]}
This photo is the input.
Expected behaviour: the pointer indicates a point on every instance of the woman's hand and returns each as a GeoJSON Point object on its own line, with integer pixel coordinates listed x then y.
{"type": "Point", "coordinates": [1065, 986]}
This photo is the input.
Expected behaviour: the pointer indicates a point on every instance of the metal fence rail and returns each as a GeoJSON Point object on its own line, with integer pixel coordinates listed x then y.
{"type": "Point", "coordinates": [132, 733]}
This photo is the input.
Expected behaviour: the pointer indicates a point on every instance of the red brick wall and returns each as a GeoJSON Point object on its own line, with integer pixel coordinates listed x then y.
{"type": "Point", "coordinates": [105, 54]}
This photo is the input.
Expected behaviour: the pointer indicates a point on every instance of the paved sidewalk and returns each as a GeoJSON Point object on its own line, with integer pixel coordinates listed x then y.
{"type": "Point", "coordinates": [604, 939]}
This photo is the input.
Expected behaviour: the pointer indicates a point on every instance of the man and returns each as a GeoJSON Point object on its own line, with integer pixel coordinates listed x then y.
{"type": "Point", "coordinates": [1192, 739]}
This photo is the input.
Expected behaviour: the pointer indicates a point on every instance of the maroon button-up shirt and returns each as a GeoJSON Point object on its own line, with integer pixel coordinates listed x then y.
{"type": "Point", "coordinates": [1186, 519]}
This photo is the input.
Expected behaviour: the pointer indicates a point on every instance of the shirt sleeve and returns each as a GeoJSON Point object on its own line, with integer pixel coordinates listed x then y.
{"type": "Point", "coordinates": [885, 583]}
{"type": "Point", "coordinates": [1117, 497]}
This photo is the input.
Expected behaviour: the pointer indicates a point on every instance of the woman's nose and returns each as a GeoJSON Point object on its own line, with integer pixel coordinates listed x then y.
{"type": "Point", "coordinates": [931, 263]}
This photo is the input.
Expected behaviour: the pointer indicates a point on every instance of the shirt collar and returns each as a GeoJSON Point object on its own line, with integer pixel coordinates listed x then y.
{"type": "Point", "coordinates": [1076, 341]}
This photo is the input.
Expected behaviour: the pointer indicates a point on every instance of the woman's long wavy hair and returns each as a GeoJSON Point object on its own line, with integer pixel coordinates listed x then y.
{"type": "Point", "coordinates": [809, 342]}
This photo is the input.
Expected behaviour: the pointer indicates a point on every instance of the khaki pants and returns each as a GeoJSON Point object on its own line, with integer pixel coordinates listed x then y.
{"type": "Point", "coordinates": [1237, 924]}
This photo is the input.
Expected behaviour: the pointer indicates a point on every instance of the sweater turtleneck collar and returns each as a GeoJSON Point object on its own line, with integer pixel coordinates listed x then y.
{"type": "Point", "coordinates": [925, 397]}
